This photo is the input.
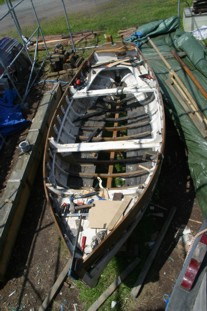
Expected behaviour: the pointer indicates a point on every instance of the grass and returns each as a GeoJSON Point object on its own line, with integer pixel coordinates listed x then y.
{"type": "Point", "coordinates": [119, 14]}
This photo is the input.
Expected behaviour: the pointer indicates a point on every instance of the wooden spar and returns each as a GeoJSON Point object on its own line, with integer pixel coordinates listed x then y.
{"type": "Point", "coordinates": [188, 71]}
{"type": "Point", "coordinates": [99, 139]}
{"type": "Point", "coordinates": [176, 78]}
{"type": "Point", "coordinates": [184, 102]}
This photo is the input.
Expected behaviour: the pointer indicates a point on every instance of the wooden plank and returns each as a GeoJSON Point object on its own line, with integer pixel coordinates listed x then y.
{"type": "Point", "coordinates": [112, 156]}
{"type": "Point", "coordinates": [119, 213]}
{"type": "Point", "coordinates": [118, 62]}
{"type": "Point", "coordinates": [108, 292]}
{"type": "Point", "coordinates": [55, 287]}
{"type": "Point", "coordinates": [139, 282]}
{"type": "Point", "coordinates": [102, 213]}
{"type": "Point", "coordinates": [102, 146]}
{"type": "Point", "coordinates": [92, 278]}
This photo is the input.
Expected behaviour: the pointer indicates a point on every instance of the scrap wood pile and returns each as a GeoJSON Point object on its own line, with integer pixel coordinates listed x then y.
{"type": "Point", "coordinates": [63, 59]}
{"type": "Point", "coordinates": [125, 33]}
{"type": "Point", "coordinates": [65, 40]}
{"type": "Point", "coordinates": [199, 6]}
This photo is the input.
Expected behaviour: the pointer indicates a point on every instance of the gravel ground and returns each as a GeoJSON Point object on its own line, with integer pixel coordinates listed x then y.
{"type": "Point", "coordinates": [26, 16]}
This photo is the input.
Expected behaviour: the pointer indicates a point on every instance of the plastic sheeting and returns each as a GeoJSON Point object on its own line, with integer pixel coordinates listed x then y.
{"type": "Point", "coordinates": [11, 118]}
{"type": "Point", "coordinates": [195, 59]}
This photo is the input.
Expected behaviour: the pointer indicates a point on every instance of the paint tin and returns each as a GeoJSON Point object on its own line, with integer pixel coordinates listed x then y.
{"type": "Point", "coordinates": [24, 146]}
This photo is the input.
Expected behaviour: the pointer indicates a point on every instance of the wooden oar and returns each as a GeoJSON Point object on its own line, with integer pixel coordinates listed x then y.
{"type": "Point", "coordinates": [190, 74]}
{"type": "Point", "coordinates": [176, 78]}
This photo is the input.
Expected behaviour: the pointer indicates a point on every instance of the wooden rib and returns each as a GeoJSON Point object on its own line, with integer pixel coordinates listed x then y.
{"type": "Point", "coordinates": [107, 175]}
{"type": "Point", "coordinates": [144, 116]}
{"type": "Point", "coordinates": [97, 139]}
{"type": "Point", "coordinates": [114, 161]}
{"type": "Point", "coordinates": [102, 112]}
{"type": "Point", "coordinates": [116, 128]}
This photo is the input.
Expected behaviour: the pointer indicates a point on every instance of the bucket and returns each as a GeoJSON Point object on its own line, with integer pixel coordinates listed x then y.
{"type": "Point", "coordinates": [24, 146]}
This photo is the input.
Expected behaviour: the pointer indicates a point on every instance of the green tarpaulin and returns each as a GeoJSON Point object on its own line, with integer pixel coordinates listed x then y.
{"type": "Point", "coordinates": [167, 36]}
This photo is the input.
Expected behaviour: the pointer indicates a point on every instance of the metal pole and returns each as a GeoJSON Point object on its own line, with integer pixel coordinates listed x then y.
{"type": "Point", "coordinates": [69, 29]}
{"type": "Point", "coordinates": [18, 27]}
{"type": "Point", "coordinates": [40, 29]}
{"type": "Point", "coordinates": [179, 12]}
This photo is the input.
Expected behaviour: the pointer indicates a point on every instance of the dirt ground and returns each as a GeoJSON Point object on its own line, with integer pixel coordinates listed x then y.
{"type": "Point", "coordinates": [39, 255]}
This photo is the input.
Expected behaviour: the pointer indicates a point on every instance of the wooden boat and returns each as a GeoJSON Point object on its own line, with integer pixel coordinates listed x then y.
{"type": "Point", "coordinates": [103, 155]}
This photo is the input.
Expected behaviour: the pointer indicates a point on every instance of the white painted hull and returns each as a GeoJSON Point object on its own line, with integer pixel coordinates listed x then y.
{"type": "Point", "coordinates": [103, 155]}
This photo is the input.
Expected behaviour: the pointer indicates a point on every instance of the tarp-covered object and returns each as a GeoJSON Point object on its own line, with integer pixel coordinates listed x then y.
{"type": "Point", "coordinates": [194, 50]}
{"type": "Point", "coordinates": [196, 60]}
{"type": "Point", "coordinates": [154, 28]}
{"type": "Point", "coordinates": [11, 118]}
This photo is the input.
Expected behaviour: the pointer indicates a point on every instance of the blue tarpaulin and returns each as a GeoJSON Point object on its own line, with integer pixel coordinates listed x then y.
{"type": "Point", "coordinates": [11, 117]}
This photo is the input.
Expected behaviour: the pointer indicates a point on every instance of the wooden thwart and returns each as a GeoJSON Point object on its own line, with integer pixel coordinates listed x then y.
{"type": "Point", "coordinates": [104, 146]}
{"type": "Point", "coordinates": [113, 91]}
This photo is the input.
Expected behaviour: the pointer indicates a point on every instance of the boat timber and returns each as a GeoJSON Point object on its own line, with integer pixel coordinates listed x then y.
{"type": "Point", "coordinates": [103, 155]}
